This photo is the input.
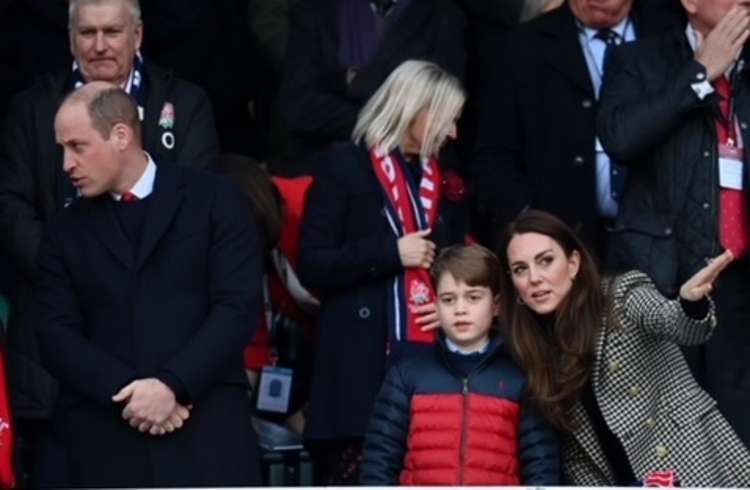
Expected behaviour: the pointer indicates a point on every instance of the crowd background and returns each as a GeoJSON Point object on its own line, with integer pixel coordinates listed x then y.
{"type": "Point", "coordinates": [284, 89]}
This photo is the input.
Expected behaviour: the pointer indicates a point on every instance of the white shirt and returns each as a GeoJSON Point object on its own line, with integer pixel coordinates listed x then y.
{"type": "Point", "coordinates": [593, 52]}
{"type": "Point", "coordinates": [458, 350]}
{"type": "Point", "coordinates": [144, 186]}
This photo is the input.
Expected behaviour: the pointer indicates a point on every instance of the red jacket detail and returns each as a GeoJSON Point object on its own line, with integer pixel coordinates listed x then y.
{"type": "Point", "coordinates": [437, 455]}
{"type": "Point", "coordinates": [293, 193]}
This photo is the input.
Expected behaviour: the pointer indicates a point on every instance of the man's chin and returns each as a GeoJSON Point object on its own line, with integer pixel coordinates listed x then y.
{"type": "Point", "coordinates": [101, 75]}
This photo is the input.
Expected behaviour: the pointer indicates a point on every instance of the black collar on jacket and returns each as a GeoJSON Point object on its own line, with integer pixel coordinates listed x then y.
{"type": "Point", "coordinates": [165, 201]}
{"type": "Point", "coordinates": [563, 50]}
{"type": "Point", "coordinates": [494, 349]}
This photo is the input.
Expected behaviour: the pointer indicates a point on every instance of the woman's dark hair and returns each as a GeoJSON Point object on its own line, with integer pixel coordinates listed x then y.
{"type": "Point", "coordinates": [558, 358]}
{"type": "Point", "coordinates": [265, 200]}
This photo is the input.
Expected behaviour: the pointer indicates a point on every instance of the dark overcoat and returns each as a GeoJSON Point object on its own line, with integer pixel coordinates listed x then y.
{"type": "Point", "coordinates": [33, 188]}
{"type": "Point", "coordinates": [178, 307]}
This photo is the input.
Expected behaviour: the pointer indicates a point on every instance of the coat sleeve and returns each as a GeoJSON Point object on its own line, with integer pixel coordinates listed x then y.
{"type": "Point", "coordinates": [538, 449]}
{"type": "Point", "coordinates": [67, 353]}
{"type": "Point", "coordinates": [497, 171]}
{"type": "Point", "coordinates": [386, 437]}
{"type": "Point", "coordinates": [313, 101]}
{"type": "Point", "coordinates": [658, 316]}
{"type": "Point", "coordinates": [631, 120]}
{"type": "Point", "coordinates": [329, 260]}
{"type": "Point", "coordinates": [234, 289]}
{"type": "Point", "coordinates": [19, 219]}
{"type": "Point", "coordinates": [199, 142]}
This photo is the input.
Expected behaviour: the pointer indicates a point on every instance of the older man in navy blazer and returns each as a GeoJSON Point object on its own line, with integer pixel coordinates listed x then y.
{"type": "Point", "coordinates": [147, 291]}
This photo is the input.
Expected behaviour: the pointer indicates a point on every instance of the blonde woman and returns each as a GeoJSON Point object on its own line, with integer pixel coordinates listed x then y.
{"type": "Point", "coordinates": [377, 212]}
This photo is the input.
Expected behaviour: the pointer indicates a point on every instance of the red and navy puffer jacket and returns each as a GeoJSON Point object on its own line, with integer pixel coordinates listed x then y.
{"type": "Point", "coordinates": [433, 425]}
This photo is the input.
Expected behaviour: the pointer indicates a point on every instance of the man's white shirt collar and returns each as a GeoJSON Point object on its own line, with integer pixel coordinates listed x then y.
{"type": "Point", "coordinates": [619, 29]}
{"type": "Point", "coordinates": [145, 185]}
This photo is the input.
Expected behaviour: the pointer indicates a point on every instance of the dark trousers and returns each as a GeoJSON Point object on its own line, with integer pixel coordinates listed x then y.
{"type": "Point", "coordinates": [722, 365]}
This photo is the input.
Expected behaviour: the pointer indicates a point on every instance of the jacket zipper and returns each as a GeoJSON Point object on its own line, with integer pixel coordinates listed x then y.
{"type": "Point", "coordinates": [464, 428]}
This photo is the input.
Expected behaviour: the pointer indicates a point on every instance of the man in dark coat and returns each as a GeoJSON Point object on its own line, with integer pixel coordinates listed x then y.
{"type": "Point", "coordinates": [341, 51]}
{"type": "Point", "coordinates": [675, 109]}
{"type": "Point", "coordinates": [536, 143]}
{"type": "Point", "coordinates": [177, 126]}
{"type": "Point", "coordinates": [148, 286]}
{"type": "Point", "coordinates": [209, 44]}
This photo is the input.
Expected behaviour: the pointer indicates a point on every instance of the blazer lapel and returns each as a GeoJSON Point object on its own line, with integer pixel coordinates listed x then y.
{"type": "Point", "coordinates": [165, 202]}
{"type": "Point", "coordinates": [563, 50]}
{"type": "Point", "coordinates": [101, 221]}
{"type": "Point", "coordinates": [587, 438]}
{"type": "Point", "coordinates": [157, 85]}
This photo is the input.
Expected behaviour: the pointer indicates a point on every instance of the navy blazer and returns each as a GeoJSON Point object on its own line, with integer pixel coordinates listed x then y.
{"type": "Point", "coordinates": [349, 254]}
{"type": "Point", "coordinates": [179, 307]}
{"type": "Point", "coordinates": [537, 117]}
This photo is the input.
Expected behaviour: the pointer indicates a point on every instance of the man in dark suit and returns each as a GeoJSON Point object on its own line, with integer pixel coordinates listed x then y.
{"type": "Point", "coordinates": [675, 110]}
{"type": "Point", "coordinates": [178, 126]}
{"type": "Point", "coordinates": [536, 144]}
{"type": "Point", "coordinates": [148, 287]}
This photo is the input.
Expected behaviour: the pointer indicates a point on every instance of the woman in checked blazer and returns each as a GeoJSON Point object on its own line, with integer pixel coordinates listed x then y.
{"type": "Point", "coordinates": [605, 366]}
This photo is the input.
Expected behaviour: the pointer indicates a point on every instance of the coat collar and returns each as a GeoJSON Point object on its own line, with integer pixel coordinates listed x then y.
{"type": "Point", "coordinates": [164, 203]}
{"type": "Point", "coordinates": [563, 49]}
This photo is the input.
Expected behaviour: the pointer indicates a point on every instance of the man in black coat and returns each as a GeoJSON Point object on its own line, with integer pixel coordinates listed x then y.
{"type": "Point", "coordinates": [148, 286]}
{"type": "Point", "coordinates": [536, 144]}
{"type": "Point", "coordinates": [675, 109]}
{"type": "Point", "coordinates": [340, 52]}
{"type": "Point", "coordinates": [177, 126]}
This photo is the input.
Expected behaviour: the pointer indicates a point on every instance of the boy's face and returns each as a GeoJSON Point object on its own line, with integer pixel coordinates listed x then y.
{"type": "Point", "coordinates": [466, 312]}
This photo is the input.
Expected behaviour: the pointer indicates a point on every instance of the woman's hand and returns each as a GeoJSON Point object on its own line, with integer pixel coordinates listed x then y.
{"type": "Point", "coordinates": [698, 286]}
{"type": "Point", "coordinates": [415, 250]}
{"type": "Point", "coordinates": [427, 316]}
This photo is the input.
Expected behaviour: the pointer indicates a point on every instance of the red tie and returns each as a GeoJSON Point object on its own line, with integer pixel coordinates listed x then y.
{"type": "Point", "coordinates": [129, 197]}
{"type": "Point", "coordinates": [734, 233]}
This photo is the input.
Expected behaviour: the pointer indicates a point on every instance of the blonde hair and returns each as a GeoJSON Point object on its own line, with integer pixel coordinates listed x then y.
{"type": "Point", "coordinates": [413, 87]}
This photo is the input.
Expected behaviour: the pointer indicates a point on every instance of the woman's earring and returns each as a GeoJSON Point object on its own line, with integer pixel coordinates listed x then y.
{"type": "Point", "coordinates": [520, 301]}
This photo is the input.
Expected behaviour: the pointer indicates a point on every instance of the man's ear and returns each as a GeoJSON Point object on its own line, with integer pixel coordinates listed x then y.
{"type": "Point", "coordinates": [121, 136]}
{"type": "Point", "coordinates": [690, 6]}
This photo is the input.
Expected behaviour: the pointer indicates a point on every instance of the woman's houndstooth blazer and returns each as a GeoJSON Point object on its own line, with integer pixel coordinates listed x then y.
{"type": "Point", "coordinates": [649, 398]}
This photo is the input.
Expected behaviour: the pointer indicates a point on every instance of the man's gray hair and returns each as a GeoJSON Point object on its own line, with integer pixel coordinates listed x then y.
{"type": "Point", "coordinates": [413, 87]}
{"type": "Point", "coordinates": [133, 6]}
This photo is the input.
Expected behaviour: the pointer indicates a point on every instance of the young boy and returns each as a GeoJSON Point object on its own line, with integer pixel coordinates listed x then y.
{"type": "Point", "coordinates": [457, 415]}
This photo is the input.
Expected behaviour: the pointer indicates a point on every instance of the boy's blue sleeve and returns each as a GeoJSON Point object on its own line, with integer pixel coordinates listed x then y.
{"type": "Point", "coordinates": [386, 437]}
{"type": "Point", "coordinates": [538, 449]}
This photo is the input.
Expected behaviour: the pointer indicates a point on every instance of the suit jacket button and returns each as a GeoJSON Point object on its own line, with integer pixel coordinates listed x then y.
{"type": "Point", "coordinates": [634, 391]}
{"type": "Point", "coordinates": [578, 160]}
{"type": "Point", "coordinates": [586, 104]}
{"type": "Point", "coordinates": [650, 422]}
{"type": "Point", "coordinates": [614, 366]}
{"type": "Point", "coordinates": [662, 451]}
{"type": "Point", "coordinates": [364, 313]}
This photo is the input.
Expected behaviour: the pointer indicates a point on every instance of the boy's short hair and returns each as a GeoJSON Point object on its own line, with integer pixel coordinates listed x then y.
{"type": "Point", "coordinates": [473, 264]}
